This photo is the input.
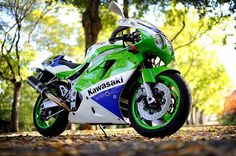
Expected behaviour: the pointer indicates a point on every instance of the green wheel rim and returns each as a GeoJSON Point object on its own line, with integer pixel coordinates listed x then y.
{"type": "Point", "coordinates": [41, 123]}
{"type": "Point", "coordinates": [167, 117]}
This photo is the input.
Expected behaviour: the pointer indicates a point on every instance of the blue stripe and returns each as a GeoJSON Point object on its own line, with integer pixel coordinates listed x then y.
{"type": "Point", "coordinates": [56, 61]}
{"type": "Point", "coordinates": [109, 99]}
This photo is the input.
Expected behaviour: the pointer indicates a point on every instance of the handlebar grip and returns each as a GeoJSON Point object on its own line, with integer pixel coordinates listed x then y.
{"type": "Point", "coordinates": [115, 32]}
{"type": "Point", "coordinates": [114, 39]}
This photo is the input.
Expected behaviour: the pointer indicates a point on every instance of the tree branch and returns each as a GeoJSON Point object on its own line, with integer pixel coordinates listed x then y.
{"type": "Point", "coordinates": [12, 42]}
{"type": "Point", "coordinates": [6, 78]}
{"type": "Point", "coordinates": [190, 66]}
{"type": "Point", "coordinates": [7, 60]}
{"type": "Point", "coordinates": [43, 13]}
{"type": "Point", "coordinates": [192, 39]}
{"type": "Point", "coordinates": [17, 50]}
{"type": "Point", "coordinates": [25, 5]}
{"type": "Point", "coordinates": [19, 13]}
{"type": "Point", "coordinates": [195, 37]}
{"type": "Point", "coordinates": [182, 28]}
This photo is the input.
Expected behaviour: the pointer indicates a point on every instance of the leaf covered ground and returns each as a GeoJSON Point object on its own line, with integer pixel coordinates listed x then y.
{"type": "Point", "coordinates": [188, 141]}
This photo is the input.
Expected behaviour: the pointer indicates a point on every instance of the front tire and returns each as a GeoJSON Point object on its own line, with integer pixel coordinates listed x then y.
{"type": "Point", "coordinates": [170, 120]}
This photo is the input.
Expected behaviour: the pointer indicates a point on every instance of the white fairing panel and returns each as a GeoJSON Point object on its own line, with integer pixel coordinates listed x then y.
{"type": "Point", "coordinates": [94, 47]}
{"type": "Point", "coordinates": [91, 111]}
{"type": "Point", "coordinates": [57, 69]}
{"type": "Point", "coordinates": [85, 114]}
{"type": "Point", "coordinates": [138, 24]}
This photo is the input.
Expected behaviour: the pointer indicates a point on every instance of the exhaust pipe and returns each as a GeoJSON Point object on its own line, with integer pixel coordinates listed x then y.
{"type": "Point", "coordinates": [43, 90]}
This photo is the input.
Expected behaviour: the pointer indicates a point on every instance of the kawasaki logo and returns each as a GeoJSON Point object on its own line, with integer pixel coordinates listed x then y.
{"type": "Point", "coordinates": [105, 85]}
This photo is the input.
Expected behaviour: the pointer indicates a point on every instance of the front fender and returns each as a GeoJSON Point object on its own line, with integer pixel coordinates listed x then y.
{"type": "Point", "coordinates": [149, 74]}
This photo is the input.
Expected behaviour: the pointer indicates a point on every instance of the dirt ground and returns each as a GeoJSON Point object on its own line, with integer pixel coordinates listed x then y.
{"type": "Point", "coordinates": [188, 141]}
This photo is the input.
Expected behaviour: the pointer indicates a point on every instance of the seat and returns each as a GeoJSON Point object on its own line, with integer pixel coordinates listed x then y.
{"type": "Point", "coordinates": [69, 64]}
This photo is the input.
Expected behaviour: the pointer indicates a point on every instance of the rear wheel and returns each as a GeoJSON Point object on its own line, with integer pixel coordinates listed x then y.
{"type": "Point", "coordinates": [169, 111]}
{"type": "Point", "coordinates": [46, 120]}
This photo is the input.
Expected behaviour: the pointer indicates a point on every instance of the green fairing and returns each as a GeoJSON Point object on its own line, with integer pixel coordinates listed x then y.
{"type": "Point", "coordinates": [88, 79]}
{"type": "Point", "coordinates": [66, 74]}
{"type": "Point", "coordinates": [147, 43]}
{"type": "Point", "coordinates": [125, 61]}
{"type": "Point", "coordinates": [149, 74]}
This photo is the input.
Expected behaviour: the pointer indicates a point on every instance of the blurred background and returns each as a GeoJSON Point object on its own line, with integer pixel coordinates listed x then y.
{"type": "Point", "coordinates": [202, 32]}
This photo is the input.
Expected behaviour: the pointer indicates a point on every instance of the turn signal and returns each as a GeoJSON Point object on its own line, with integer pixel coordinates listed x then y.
{"type": "Point", "coordinates": [133, 49]}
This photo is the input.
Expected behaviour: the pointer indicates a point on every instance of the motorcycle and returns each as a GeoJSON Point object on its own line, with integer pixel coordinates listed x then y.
{"type": "Point", "coordinates": [124, 80]}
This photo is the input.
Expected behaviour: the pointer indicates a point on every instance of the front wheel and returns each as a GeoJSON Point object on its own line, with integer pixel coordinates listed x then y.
{"type": "Point", "coordinates": [168, 113]}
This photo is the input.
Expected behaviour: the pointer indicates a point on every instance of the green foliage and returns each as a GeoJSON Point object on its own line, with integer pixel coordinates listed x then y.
{"type": "Point", "coordinates": [228, 119]}
{"type": "Point", "coordinates": [59, 37]}
{"type": "Point", "coordinates": [28, 98]}
{"type": "Point", "coordinates": [77, 3]}
{"type": "Point", "coordinates": [6, 100]}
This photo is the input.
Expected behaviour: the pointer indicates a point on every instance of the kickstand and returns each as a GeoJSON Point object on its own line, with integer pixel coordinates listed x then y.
{"type": "Point", "coordinates": [106, 136]}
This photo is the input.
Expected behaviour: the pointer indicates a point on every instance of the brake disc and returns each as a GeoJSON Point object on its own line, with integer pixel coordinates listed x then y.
{"type": "Point", "coordinates": [163, 108]}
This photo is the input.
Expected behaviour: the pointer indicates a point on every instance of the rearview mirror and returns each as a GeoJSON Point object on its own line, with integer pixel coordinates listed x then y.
{"type": "Point", "coordinates": [114, 7]}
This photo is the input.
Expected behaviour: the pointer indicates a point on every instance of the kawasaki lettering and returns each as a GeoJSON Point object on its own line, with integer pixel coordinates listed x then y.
{"type": "Point", "coordinates": [105, 85]}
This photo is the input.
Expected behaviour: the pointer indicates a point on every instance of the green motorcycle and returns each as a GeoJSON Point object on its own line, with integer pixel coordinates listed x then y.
{"type": "Point", "coordinates": [122, 81]}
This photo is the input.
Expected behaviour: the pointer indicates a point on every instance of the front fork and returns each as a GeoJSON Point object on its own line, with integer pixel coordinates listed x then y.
{"type": "Point", "coordinates": [150, 97]}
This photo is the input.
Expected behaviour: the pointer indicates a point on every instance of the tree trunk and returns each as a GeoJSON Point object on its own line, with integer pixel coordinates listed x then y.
{"type": "Point", "coordinates": [201, 117]}
{"type": "Point", "coordinates": [193, 116]}
{"type": "Point", "coordinates": [126, 8]}
{"type": "Point", "coordinates": [197, 111]}
{"type": "Point", "coordinates": [91, 22]}
{"type": "Point", "coordinates": [190, 117]}
{"type": "Point", "coordinates": [15, 107]}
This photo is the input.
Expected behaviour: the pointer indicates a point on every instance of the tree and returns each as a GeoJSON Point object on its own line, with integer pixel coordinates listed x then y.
{"type": "Point", "coordinates": [91, 22]}
{"type": "Point", "coordinates": [13, 63]}
{"type": "Point", "coordinates": [90, 19]}
{"type": "Point", "coordinates": [230, 103]}
{"type": "Point", "coordinates": [228, 117]}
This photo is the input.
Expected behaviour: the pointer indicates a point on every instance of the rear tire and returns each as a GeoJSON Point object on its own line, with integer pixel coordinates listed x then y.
{"type": "Point", "coordinates": [55, 125]}
{"type": "Point", "coordinates": [175, 121]}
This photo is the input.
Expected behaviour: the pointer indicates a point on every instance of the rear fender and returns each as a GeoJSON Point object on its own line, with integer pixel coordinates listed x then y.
{"type": "Point", "coordinates": [149, 74]}
{"type": "Point", "coordinates": [49, 104]}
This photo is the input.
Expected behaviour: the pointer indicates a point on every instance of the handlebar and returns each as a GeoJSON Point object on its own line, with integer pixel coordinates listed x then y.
{"type": "Point", "coordinates": [134, 37]}
{"type": "Point", "coordinates": [113, 37]}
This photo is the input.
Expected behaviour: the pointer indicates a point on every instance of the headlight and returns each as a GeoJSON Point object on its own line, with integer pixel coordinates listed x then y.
{"type": "Point", "coordinates": [159, 40]}
{"type": "Point", "coordinates": [169, 45]}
